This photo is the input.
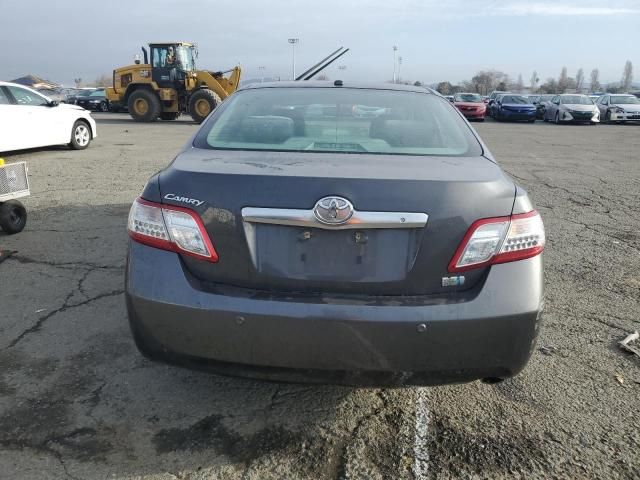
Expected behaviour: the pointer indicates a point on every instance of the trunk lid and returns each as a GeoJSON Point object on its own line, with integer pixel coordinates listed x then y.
{"type": "Point", "coordinates": [452, 191]}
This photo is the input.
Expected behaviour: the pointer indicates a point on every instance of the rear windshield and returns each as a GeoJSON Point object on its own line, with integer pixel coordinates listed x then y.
{"type": "Point", "coordinates": [338, 120]}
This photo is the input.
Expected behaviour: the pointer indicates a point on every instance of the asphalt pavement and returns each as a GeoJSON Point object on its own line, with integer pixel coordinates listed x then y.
{"type": "Point", "coordinates": [78, 401]}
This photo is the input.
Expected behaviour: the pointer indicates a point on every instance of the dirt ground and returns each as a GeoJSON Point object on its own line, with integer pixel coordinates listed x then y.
{"type": "Point", "coordinates": [77, 401]}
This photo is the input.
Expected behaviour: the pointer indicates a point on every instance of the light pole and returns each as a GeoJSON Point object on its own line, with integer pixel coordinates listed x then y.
{"type": "Point", "coordinates": [399, 65]}
{"type": "Point", "coordinates": [293, 42]}
{"type": "Point", "coordinates": [261, 72]}
{"type": "Point", "coordinates": [395, 49]}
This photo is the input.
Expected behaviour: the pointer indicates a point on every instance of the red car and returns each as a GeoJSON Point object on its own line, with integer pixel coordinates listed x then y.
{"type": "Point", "coordinates": [471, 105]}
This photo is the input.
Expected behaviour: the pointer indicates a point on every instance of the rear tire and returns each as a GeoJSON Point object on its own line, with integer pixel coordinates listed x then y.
{"type": "Point", "coordinates": [169, 115]}
{"type": "Point", "coordinates": [202, 103]}
{"type": "Point", "coordinates": [13, 217]}
{"type": "Point", "coordinates": [80, 135]}
{"type": "Point", "coordinates": [144, 106]}
{"type": "Point", "coordinates": [104, 107]}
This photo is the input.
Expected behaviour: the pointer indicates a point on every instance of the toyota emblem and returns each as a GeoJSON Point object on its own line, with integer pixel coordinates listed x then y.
{"type": "Point", "coordinates": [333, 210]}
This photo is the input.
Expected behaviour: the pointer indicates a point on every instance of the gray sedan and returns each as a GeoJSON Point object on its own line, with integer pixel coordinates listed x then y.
{"type": "Point", "coordinates": [368, 250]}
{"type": "Point", "coordinates": [571, 108]}
{"type": "Point", "coordinates": [619, 108]}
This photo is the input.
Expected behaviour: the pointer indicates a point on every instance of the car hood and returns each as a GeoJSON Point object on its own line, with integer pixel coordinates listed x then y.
{"type": "Point", "coordinates": [627, 107]}
{"type": "Point", "coordinates": [578, 107]}
{"type": "Point", "coordinates": [469, 104]}
{"type": "Point", "coordinates": [68, 106]}
{"type": "Point", "coordinates": [523, 106]}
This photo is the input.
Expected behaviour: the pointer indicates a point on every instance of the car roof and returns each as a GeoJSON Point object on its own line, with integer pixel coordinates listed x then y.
{"type": "Point", "coordinates": [345, 84]}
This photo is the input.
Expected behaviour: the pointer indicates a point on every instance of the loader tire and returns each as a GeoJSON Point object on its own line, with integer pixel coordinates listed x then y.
{"type": "Point", "coordinates": [202, 103]}
{"type": "Point", "coordinates": [13, 217]}
{"type": "Point", "coordinates": [144, 106]}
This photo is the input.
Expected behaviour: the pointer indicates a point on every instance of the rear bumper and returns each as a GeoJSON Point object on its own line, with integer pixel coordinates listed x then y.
{"type": "Point", "coordinates": [345, 340]}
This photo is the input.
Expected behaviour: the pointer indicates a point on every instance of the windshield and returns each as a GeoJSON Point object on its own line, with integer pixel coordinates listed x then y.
{"type": "Point", "coordinates": [85, 93]}
{"type": "Point", "coordinates": [576, 100]}
{"type": "Point", "coordinates": [97, 93]}
{"type": "Point", "coordinates": [546, 98]}
{"type": "Point", "coordinates": [467, 97]}
{"type": "Point", "coordinates": [515, 99]}
{"type": "Point", "coordinates": [185, 59]}
{"type": "Point", "coordinates": [338, 120]}
{"type": "Point", "coordinates": [624, 100]}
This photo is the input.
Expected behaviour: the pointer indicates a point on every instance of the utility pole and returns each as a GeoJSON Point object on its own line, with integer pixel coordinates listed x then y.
{"type": "Point", "coordinates": [395, 49]}
{"type": "Point", "coordinates": [261, 73]}
{"type": "Point", "coordinates": [293, 42]}
{"type": "Point", "coordinates": [399, 65]}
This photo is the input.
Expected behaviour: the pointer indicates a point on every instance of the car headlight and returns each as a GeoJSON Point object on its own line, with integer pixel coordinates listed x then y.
{"type": "Point", "coordinates": [94, 101]}
{"type": "Point", "coordinates": [618, 110]}
{"type": "Point", "coordinates": [566, 115]}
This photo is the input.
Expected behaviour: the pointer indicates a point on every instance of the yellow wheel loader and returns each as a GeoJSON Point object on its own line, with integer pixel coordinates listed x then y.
{"type": "Point", "coordinates": [167, 84]}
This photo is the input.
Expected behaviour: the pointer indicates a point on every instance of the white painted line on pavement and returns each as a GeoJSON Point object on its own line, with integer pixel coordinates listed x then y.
{"type": "Point", "coordinates": [420, 452]}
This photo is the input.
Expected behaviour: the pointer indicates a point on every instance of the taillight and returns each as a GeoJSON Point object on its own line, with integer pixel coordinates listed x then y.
{"type": "Point", "coordinates": [170, 228]}
{"type": "Point", "coordinates": [499, 240]}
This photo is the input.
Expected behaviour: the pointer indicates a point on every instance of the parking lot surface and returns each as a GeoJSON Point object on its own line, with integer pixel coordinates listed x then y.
{"type": "Point", "coordinates": [77, 401]}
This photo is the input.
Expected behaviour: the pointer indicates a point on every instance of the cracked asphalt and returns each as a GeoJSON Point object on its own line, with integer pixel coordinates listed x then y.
{"type": "Point", "coordinates": [77, 401]}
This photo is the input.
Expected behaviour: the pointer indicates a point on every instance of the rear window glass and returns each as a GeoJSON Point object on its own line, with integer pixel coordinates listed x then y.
{"type": "Point", "coordinates": [342, 120]}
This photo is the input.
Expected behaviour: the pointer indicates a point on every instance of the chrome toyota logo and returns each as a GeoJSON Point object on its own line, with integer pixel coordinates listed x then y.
{"type": "Point", "coordinates": [333, 210]}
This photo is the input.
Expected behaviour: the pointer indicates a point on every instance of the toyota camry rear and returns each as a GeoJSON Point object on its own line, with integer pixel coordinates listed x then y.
{"type": "Point", "coordinates": [295, 239]}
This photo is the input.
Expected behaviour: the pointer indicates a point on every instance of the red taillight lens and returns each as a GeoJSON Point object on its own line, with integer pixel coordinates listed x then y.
{"type": "Point", "coordinates": [170, 228]}
{"type": "Point", "coordinates": [499, 240]}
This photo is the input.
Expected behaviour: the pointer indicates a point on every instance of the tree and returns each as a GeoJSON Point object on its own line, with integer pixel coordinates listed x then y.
{"type": "Point", "coordinates": [595, 80]}
{"type": "Point", "coordinates": [519, 84]}
{"type": "Point", "coordinates": [444, 88]}
{"type": "Point", "coordinates": [579, 80]}
{"type": "Point", "coordinates": [417, 83]}
{"type": "Point", "coordinates": [485, 81]}
{"type": "Point", "coordinates": [502, 86]}
{"type": "Point", "coordinates": [627, 76]}
{"type": "Point", "coordinates": [563, 81]}
{"type": "Point", "coordinates": [550, 86]}
{"type": "Point", "coordinates": [78, 82]}
{"type": "Point", "coordinates": [534, 81]}
{"type": "Point", "coordinates": [102, 81]}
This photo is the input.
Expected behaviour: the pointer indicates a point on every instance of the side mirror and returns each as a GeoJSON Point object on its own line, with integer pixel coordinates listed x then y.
{"type": "Point", "coordinates": [53, 103]}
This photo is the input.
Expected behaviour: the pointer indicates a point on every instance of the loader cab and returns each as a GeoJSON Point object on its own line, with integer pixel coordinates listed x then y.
{"type": "Point", "coordinates": [170, 62]}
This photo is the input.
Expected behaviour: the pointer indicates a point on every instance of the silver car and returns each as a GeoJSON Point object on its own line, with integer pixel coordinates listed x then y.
{"type": "Point", "coordinates": [619, 108]}
{"type": "Point", "coordinates": [571, 108]}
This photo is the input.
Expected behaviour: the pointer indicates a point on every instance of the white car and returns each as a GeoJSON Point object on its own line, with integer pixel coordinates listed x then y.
{"type": "Point", "coordinates": [28, 119]}
{"type": "Point", "coordinates": [619, 108]}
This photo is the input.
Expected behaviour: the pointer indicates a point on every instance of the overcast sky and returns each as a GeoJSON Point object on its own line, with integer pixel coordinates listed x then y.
{"type": "Point", "coordinates": [437, 39]}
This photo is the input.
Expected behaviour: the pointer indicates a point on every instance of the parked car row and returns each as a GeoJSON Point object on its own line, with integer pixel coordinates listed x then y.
{"type": "Point", "coordinates": [564, 108]}
{"type": "Point", "coordinates": [90, 98]}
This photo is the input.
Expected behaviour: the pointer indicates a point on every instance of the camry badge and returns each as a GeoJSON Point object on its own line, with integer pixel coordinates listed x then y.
{"type": "Point", "coordinates": [333, 210]}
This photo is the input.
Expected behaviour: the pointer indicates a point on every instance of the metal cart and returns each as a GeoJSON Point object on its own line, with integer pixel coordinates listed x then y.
{"type": "Point", "coordinates": [14, 184]}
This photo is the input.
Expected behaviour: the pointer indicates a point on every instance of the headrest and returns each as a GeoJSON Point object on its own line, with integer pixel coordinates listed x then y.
{"type": "Point", "coordinates": [266, 129]}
